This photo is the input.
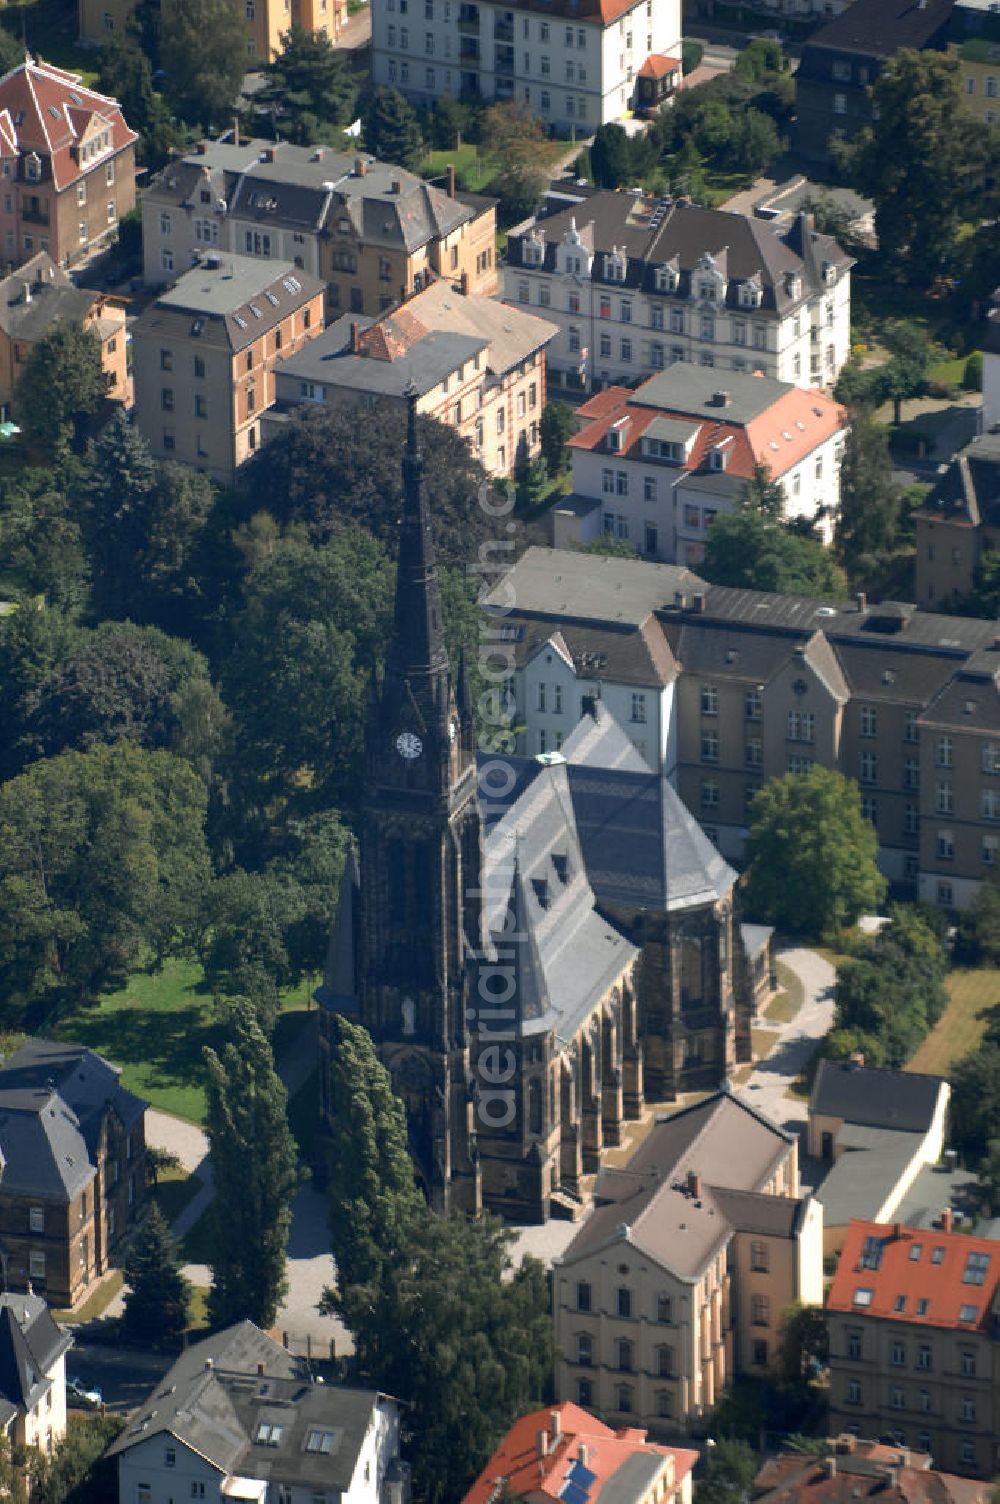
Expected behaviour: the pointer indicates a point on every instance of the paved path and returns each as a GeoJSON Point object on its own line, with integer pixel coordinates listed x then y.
{"type": "Point", "coordinates": [765, 1090]}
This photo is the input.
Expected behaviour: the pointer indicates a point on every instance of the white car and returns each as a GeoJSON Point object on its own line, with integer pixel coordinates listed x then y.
{"type": "Point", "coordinates": [78, 1393]}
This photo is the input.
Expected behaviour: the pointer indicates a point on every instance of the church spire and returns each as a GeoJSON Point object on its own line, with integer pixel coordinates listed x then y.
{"type": "Point", "coordinates": [417, 650]}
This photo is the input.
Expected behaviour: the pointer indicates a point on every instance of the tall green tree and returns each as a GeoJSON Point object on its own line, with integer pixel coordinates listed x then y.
{"type": "Point", "coordinates": [891, 993]}
{"type": "Point", "coordinates": [118, 490]}
{"type": "Point", "coordinates": [611, 156]}
{"type": "Point", "coordinates": [35, 640]}
{"type": "Point", "coordinates": [204, 57]}
{"type": "Point", "coordinates": [870, 501]}
{"type": "Point", "coordinates": [513, 135]}
{"type": "Point", "coordinates": [61, 386]}
{"type": "Point", "coordinates": [811, 858]}
{"type": "Point", "coordinates": [373, 1198]}
{"type": "Point", "coordinates": [158, 1296]}
{"type": "Point", "coordinates": [126, 73]}
{"type": "Point", "coordinates": [977, 942]}
{"type": "Point", "coordinates": [40, 539]}
{"type": "Point", "coordinates": [557, 426]}
{"type": "Point", "coordinates": [921, 162]}
{"type": "Point", "coordinates": [905, 373]}
{"type": "Point", "coordinates": [309, 87]}
{"type": "Point", "coordinates": [256, 1174]}
{"type": "Point", "coordinates": [748, 549]}
{"type": "Point", "coordinates": [729, 1473]}
{"type": "Point", "coordinates": [391, 130]}
{"type": "Point", "coordinates": [805, 1342]}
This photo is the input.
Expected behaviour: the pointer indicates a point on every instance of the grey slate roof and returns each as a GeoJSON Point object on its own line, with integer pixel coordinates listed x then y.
{"type": "Point", "coordinates": [39, 294]}
{"type": "Point", "coordinates": [555, 583]}
{"type": "Point", "coordinates": [878, 28]}
{"type": "Point", "coordinates": [329, 359]}
{"type": "Point", "coordinates": [213, 1399]}
{"type": "Point", "coordinates": [969, 490]}
{"type": "Point", "coordinates": [870, 1166]}
{"type": "Point", "coordinates": [625, 654]}
{"type": "Point", "coordinates": [220, 295]}
{"type": "Point", "coordinates": [875, 1097]}
{"type": "Point", "coordinates": [30, 1343]}
{"type": "Point", "coordinates": [687, 388]}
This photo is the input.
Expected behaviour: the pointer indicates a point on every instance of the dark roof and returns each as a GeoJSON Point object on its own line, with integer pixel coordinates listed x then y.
{"type": "Point", "coordinates": [30, 1343]}
{"type": "Point", "coordinates": [214, 1398]}
{"type": "Point", "coordinates": [969, 490]}
{"type": "Point", "coordinates": [228, 300]}
{"type": "Point", "coordinates": [624, 653]}
{"type": "Point", "coordinates": [878, 28]}
{"type": "Point", "coordinates": [875, 1097]}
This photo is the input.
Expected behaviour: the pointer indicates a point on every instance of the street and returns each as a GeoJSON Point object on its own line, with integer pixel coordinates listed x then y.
{"type": "Point", "coordinates": [123, 1376]}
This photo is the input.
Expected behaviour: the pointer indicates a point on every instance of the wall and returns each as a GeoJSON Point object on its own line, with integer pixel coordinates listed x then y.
{"type": "Point", "coordinates": [144, 1463]}
{"type": "Point", "coordinates": [654, 738]}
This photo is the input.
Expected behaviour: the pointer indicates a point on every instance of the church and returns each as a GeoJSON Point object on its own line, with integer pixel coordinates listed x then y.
{"type": "Point", "coordinates": [538, 946]}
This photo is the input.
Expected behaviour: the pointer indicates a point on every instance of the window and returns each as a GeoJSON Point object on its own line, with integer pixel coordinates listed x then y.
{"type": "Point", "coordinates": [664, 1403]}
{"type": "Point", "coordinates": [143, 1493]}
{"type": "Point", "coordinates": [976, 1267]}
{"type": "Point", "coordinates": [169, 1457]}
{"type": "Point", "coordinates": [197, 1490]}
{"type": "Point", "coordinates": [968, 1453]}
{"type": "Point", "coordinates": [709, 699]}
{"type": "Point", "coordinates": [167, 399]}
{"type": "Point", "coordinates": [896, 1397]}
{"type": "Point", "coordinates": [169, 442]}
{"type": "Point", "coordinates": [753, 752]}
{"type": "Point", "coordinates": [945, 846]}
{"type": "Point", "coordinates": [854, 1346]}
{"type": "Point", "coordinates": [625, 351]}
{"type": "Point", "coordinates": [709, 746]}
{"type": "Point", "coordinates": [623, 1349]}
{"type": "Point", "coordinates": [968, 1410]}
{"type": "Point", "coordinates": [759, 1260]}
{"type": "Point", "coordinates": [36, 1264]}
{"type": "Point", "coordinates": [760, 1310]}
{"type": "Point", "coordinates": [752, 704]}
{"type": "Point", "coordinates": [898, 1357]}
{"type": "Point", "coordinates": [584, 1392]}
{"type": "Point", "coordinates": [583, 1296]}
{"type": "Point", "coordinates": [200, 406]}
{"type": "Point", "coordinates": [869, 720]}
{"type": "Point", "coordinates": [869, 767]}
{"type": "Point", "coordinates": [944, 752]}
{"type": "Point", "coordinates": [36, 1219]}
{"type": "Point", "coordinates": [863, 1295]}
{"type": "Point", "coordinates": [584, 1349]}
{"type": "Point", "coordinates": [664, 1309]}
{"type": "Point", "coordinates": [624, 1301]}
{"type": "Point", "coordinates": [759, 1352]}
{"type": "Point", "coordinates": [924, 1356]}
{"type": "Point", "coordinates": [853, 1392]}
{"type": "Point", "coordinates": [944, 798]}
{"type": "Point", "coordinates": [649, 488]}
{"type": "Point", "coordinates": [968, 1363]}
{"type": "Point", "coordinates": [268, 1434]}
{"type": "Point", "coordinates": [664, 1362]}
{"type": "Point", "coordinates": [911, 773]}
{"type": "Point", "coordinates": [709, 793]}
{"type": "Point", "coordinates": [624, 1398]}
{"type": "Point", "coordinates": [989, 804]}
{"type": "Point", "coordinates": [639, 708]}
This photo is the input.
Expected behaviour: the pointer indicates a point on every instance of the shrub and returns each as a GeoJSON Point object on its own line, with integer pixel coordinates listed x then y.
{"type": "Point", "coordinates": [972, 376]}
{"type": "Point", "coordinates": [691, 56]}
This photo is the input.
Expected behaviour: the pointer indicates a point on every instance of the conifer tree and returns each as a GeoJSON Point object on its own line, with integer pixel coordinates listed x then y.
{"type": "Point", "coordinates": [157, 1300]}
{"type": "Point", "coordinates": [255, 1166]}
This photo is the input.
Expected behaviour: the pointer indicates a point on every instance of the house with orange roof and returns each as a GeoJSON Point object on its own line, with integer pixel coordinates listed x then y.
{"type": "Point", "coordinates": [574, 63]}
{"type": "Point", "coordinates": [913, 1318]}
{"type": "Point", "coordinates": [67, 160]}
{"type": "Point", "coordinates": [656, 466]}
{"type": "Point", "coordinates": [567, 1454]}
{"type": "Point", "coordinates": [852, 1469]}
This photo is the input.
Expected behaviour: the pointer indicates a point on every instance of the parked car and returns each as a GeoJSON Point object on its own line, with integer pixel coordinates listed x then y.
{"type": "Point", "coordinates": [78, 1393]}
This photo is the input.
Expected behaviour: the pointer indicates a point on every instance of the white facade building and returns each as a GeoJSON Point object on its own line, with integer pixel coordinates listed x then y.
{"type": "Point", "coordinates": [574, 63]}
{"type": "Point", "coordinates": [637, 284]}
{"type": "Point", "coordinates": [656, 466]}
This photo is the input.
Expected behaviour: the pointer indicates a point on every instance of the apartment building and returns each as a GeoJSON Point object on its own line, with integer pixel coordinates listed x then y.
{"type": "Point", "coordinates": [475, 365]}
{"type": "Point", "coordinates": [67, 164]}
{"type": "Point", "coordinates": [657, 465]}
{"type": "Point", "coordinates": [637, 284]}
{"type": "Point", "coordinates": [266, 22]}
{"type": "Point", "coordinates": [205, 353]}
{"type": "Point", "coordinates": [678, 1279]}
{"type": "Point", "coordinates": [974, 38]}
{"type": "Point", "coordinates": [852, 1469]}
{"type": "Point", "coordinates": [40, 295]}
{"type": "Point", "coordinates": [73, 1148]}
{"type": "Point", "coordinates": [548, 1452]}
{"type": "Point", "coordinates": [32, 1373]}
{"type": "Point", "coordinates": [756, 685]}
{"type": "Point", "coordinates": [912, 1319]}
{"type": "Point", "coordinates": [842, 61]}
{"type": "Point", "coordinates": [373, 232]}
{"type": "Point", "coordinates": [958, 521]}
{"type": "Point", "coordinates": [575, 62]}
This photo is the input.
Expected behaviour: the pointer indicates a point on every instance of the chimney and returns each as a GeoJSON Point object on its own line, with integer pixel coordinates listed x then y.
{"type": "Point", "coordinates": [582, 1454]}
{"type": "Point", "coordinates": [360, 167]}
{"type": "Point", "coordinates": [861, 601]}
{"type": "Point", "coordinates": [464, 284]}
{"type": "Point", "coordinates": [236, 130]}
{"type": "Point", "coordinates": [694, 1185]}
{"type": "Point", "coordinates": [897, 1231]}
{"type": "Point", "coordinates": [946, 1219]}
{"type": "Point", "coordinates": [830, 1466]}
{"type": "Point", "coordinates": [317, 155]}
{"type": "Point", "coordinates": [201, 148]}
{"type": "Point", "coordinates": [261, 1370]}
{"type": "Point", "coordinates": [396, 186]}
{"type": "Point", "coordinates": [355, 337]}
{"type": "Point", "coordinates": [680, 600]}
{"type": "Point", "coordinates": [721, 399]}
{"type": "Point", "coordinates": [542, 1443]}
{"type": "Point", "coordinates": [846, 1443]}
{"type": "Point", "coordinates": [209, 1363]}
{"type": "Point", "coordinates": [27, 292]}
{"type": "Point", "coordinates": [698, 601]}
{"type": "Point", "coordinates": [269, 153]}
{"type": "Point", "coordinates": [856, 1060]}
{"type": "Point", "coordinates": [451, 180]}
{"type": "Point", "coordinates": [555, 1425]}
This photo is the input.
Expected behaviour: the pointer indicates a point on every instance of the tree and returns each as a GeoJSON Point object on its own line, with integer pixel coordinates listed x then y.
{"type": "Point", "coordinates": [11, 50]}
{"type": "Point", "coordinates": [126, 73]}
{"type": "Point", "coordinates": [759, 58]}
{"type": "Point", "coordinates": [513, 135]}
{"type": "Point", "coordinates": [373, 1199]}
{"type": "Point", "coordinates": [34, 641]}
{"type": "Point", "coordinates": [40, 540]}
{"type": "Point", "coordinates": [611, 156]}
{"type": "Point", "coordinates": [169, 568]}
{"type": "Point", "coordinates": [749, 550]}
{"type": "Point", "coordinates": [763, 494]}
{"type": "Point", "coordinates": [905, 373]}
{"type": "Point", "coordinates": [79, 1471]}
{"type": "Point", "coordinates": [244, 951]}
{"type": "Point", "coordinates": [256, 1174]}
{"type": "Point", "coordinates": [61, 385]}
{"type": "Point", "coordinates": [391, 130]}
{"type": "Point", "coordinates": [333, 468]}
{"type": "Point", "coordinates": [103, 864]}
{"type": "Point", "coordinates": [158, 1295]}
{"type": "Point", "coordinates": [729, 1474]}
{"type": "Point", "coordinates": [811, 857]}
{"type": "Point", "coordinates": [203, 52]}
{"type": "Point", "coordinates": [805, 1343]}
{"type": "Point", "coordinates": [556, 427]}
{"type": "Point", "coordinates": [977, 942]}
{"type": "Point", "coordinates": [920, 162]}
{"type": "Point", "coordinates": [117, 497]}
{"type": "Point", "coordinates": [310, 86]}
{"type": "Point", "coordinates": [870, 500]}
{"type": "Point", "coordinates": [891, 993]}
{"type": "Point", "coordinates": [755, 141]}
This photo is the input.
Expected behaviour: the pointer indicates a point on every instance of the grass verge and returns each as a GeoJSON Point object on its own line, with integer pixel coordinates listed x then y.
{"type": "Point", "coordinates": [174, 1190]}
{"type": "Point", "coordinates": [762, 1042]}
{"type": "Point", "coordinates": [96, 1303]}
{"type": "Point", "coordinates": [971, 994]}
{"type": "Point", "coordinates": [785, 1005]}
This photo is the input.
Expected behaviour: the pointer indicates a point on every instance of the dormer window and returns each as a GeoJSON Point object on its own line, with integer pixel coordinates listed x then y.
{"type": "Point", "coordinates": [793, 284]}
{"type": "Point", "coordinates": [617, 435]}
{"type": "Point", "coordinates": [718, 458]}
{"type": "Point", "coordinates": [532, 251]}
{"type": "Point", "coordinates": [666, 279]}
{"type": "Point", "coordinates": [750, 295]}
{"type": "Point", "coordinates": [614, 266]}
{"type": "Point", "coordinates": [829, 273]}
{"type": "Point", "coordinates": [33, 167]}
{"type": "Point", "coordinates": [706, 290]}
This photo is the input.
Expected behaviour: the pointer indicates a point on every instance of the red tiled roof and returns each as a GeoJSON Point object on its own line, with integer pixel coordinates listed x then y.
{"type": "Point", "coordinates": [517, 1458]}
{"type": "Point", "coordinates": [780, 437]}
{"type": "Point", "coordinates": [893, 1475]}
{"type": "Point", "coordinates": [48, 110]}
{"type": "Point", "coordinates": [658, 65]}
{"type": "Point", "coordinates": [905, 1277]}
{"type": "Point", "coordinates": [394, 335]}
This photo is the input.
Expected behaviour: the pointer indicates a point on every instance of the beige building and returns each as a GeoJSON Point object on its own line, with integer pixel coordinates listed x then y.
{"type": "Point", "coordinates": [373, 232]}
{"type": "Point", "coordinates": [678, 1280]}
{"type": "Point", "coordinates": [913, 1355]}
{"type": "Point", "coordinates": [266, 22]}
{"type": "Point", "coordinates": [974, 38]}
{"type": "Point", "coordinates": [40, 295]}
{"type": "Point", "coordinates": [475, 364]}
{"type": "Point", "coordinates": [877, 1130]}
{"type": "Point", "coordinates": [205, 353]}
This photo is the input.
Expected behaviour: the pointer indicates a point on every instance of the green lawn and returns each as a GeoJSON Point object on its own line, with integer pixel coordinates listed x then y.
{"type": "Point", "coordinates": [785, 1004]}
{"type": "Point", "coordinates": [50, 30]}
{"type": "Point", "coordinates": [174, 1189]}
{"type": "Point", "coordinates": [97, 1303]}
{"type": "Point", "coordinates": [972, 993]}
{"type": "Point", "coordinates": [475, 169]}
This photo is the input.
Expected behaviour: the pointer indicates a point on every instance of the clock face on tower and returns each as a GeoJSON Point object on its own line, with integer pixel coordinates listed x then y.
{"type": "Point", "coordinates": [409, 745]}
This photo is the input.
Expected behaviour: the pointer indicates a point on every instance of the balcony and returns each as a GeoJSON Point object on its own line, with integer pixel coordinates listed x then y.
{"type": "Point", "coordinates": [468, 19]}
{"type": "Point", "coordinates": [468, 50]}
{"type": "Point", "coordinates": [34, 216]}
{"type": "Point", "coordinates": [503, 61]}
{"type": "Point", "coordinates": [503, 31]}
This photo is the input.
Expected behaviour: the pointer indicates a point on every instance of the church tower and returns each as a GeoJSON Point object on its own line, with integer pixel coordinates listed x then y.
{"type": "Point", "coordinates": [421, 853]}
